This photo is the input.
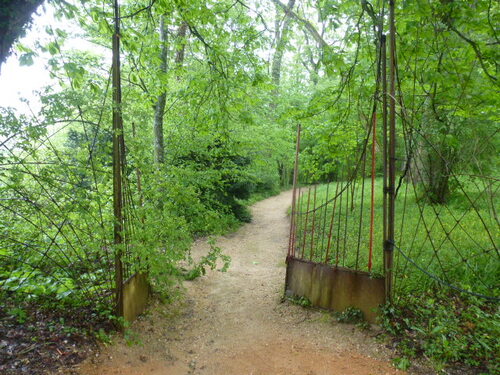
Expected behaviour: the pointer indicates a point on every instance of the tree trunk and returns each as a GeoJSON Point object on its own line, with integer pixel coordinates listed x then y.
{"type": "Point", "coordinates": [431, 166]}
{"type": "Point", "coordinates": [181, 48]}
{"type": "Point", "coordinates": [281, 35]}
{"type": "Point", "coordinates": [281, 38]}
{"type": "Point", "coordinates": [159, 151]}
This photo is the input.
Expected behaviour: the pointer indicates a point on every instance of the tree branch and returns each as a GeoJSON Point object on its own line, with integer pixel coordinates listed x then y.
{"type": "Point", "coordinates": [477, 51]}
{"type": "Point", "coordinates": [308, 25]}
{"type": "Point", "coordinates": [139, 11]}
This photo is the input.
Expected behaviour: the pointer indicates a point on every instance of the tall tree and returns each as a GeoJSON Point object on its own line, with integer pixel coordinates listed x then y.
{"type": "Point", "coordinates": [281, 30]}
{"type": "Point", "coordinates": [181, 48]}
{"type": "Point", "coordinates": [159, 151]}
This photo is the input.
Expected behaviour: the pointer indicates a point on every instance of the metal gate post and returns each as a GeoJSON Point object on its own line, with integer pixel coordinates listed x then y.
{"type": "Point", "coordinates": [391, 189]}
{"type": "Point", "coordinates": [117, 165]}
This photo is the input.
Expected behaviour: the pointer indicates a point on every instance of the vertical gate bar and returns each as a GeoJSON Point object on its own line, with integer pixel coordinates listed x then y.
{"type": "Point", "coordinates": [117, 167]}
{"type": "Point", "coordinates": [311, 252]}
{"type": "Point", "coordinates": [300, 227]}
{"type": "Point", "coordinates": [338, 226]}
{"type": "Point", "coordinates": [295, 172]}
{"type": "Point", "coordinates": [353, 191]}
{"type": "Point", "coordinates": [296, 183]}
{"type": "Point", "coordinates": [324, 219]}
{"type": "Point", "coordinates": [318, 231]}
{"type": "Point", "coordinates": [361, 208]}
{"type": "Point", "coordinates": [372, 205]}
{"type": "Point", "coordinates": [305, 224]}
{"type": "Point", "coordinates": [389, 244]}
{"type": "Point", "coordinates": [298, 220]}
{"type": "Point", "coordinates": [298, 217]}
{"type": "Point", "coordinates": [344, 255]}
{"type": "Point", "coordinates": [383, 46]}
{"type": "Point", "coordinates": [327, 256]}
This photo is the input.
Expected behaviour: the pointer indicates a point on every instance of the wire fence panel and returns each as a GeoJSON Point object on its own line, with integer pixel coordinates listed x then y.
{"type": "Point", "coordinates": [404, 191]}
{"type": "Point", "coordinates": [331, 222]}
{"type": "Point", "coordinates": [452, 244]}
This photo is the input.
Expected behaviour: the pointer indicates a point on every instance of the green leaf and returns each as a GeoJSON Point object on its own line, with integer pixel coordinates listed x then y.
{"type": "Point", "coordinates": [53, 48]}
{"type": "Point", "coordinates": [26, 59]}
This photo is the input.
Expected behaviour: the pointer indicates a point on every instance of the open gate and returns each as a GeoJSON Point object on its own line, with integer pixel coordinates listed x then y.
{"type": "Point", "coordinates": [340, 253]}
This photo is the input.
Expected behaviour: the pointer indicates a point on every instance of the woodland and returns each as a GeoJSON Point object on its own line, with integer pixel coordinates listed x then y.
{"type": "Point", "coordinates": [212, 93]}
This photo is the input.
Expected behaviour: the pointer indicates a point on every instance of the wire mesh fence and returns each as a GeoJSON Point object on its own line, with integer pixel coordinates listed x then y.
{"type": "Point", "coordinates": [422, 203]}
{"type": "Point", "coordinates": [56, 177]}
{"type": "Point", "coordinates": [451, 244]}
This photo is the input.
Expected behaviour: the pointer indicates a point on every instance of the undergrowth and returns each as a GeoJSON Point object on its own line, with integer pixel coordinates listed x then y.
{"type": "Point", "coordinates": [208, 261]}
{"type": "Point", "coordinates": [452, 331]}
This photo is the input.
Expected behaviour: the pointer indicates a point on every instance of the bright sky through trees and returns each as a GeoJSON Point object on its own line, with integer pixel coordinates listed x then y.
{"type": "Point", "coordinates": [21, 81]}
{"type": "Point", "coordinates": [18, 82]}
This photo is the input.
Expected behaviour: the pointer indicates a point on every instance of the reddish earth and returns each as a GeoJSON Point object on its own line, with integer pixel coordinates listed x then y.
{"type": "Point", "coordinates": [236, 323]}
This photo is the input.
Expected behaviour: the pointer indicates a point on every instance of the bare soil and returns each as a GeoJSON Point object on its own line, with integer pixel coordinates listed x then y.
{"type": "Point", "coordinates": [40, 340]}
{"type": "Point", "coordinates": [236, 322]}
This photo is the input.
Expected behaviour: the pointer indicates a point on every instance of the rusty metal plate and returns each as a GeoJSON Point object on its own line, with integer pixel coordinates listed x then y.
{"type": "Point", "coordinates": [135, 296]}
{"type": "Point", "coordinates": [335, 288]}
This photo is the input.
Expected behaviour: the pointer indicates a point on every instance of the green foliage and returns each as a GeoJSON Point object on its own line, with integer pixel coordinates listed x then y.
{"type": "Point", "coordinates": [301, 301]}
{"type": "Point", "coordinates": [102, 336]}
{"type": "Point", "coordinates": [210, 261]}
{"type": "Point", "coordinates": [131, 337]}
{"type": "Point", "coordinates": [18, 313]}
{"type": "Point", "coordinates": [350, 315]}
{"type": "Point", "coordinates": [219, 174]}
{"type": "Point", "coordinates": [402, 363]}
{"type": "Point", "coordinates": [448, 329]}
{"type": "Point", "coordinates": [229, 134]}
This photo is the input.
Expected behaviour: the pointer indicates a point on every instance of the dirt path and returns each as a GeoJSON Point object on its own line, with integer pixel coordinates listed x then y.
{"type": "Point", "coordinates": [234, 322]}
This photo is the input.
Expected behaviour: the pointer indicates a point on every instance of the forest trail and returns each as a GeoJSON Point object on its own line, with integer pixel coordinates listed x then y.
{"type": "Point", "coordinates": [235, 322]}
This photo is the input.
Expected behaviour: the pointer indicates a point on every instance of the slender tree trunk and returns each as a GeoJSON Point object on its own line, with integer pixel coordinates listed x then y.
{"type": "Point", "coordinates": [159, 151]}
{"type": "Point", "coordinates": [439, 177]}
{"type": "Point", "coordinates": [281, 38]}
{"type": "Point", "coordinates": [181, 48]}
{"type": "Point", "coordinates": [281, 33]}
{"type": "Point", "coordinates": [305, 23]}
{"type": "Point", "coordinates": [433, 159]}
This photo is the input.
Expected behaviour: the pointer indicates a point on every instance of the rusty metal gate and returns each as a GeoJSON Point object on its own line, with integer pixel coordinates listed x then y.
{"type": "Point", "coordinates": [334, 259]}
